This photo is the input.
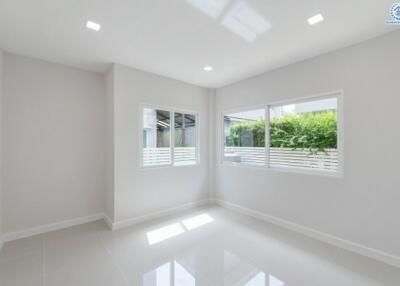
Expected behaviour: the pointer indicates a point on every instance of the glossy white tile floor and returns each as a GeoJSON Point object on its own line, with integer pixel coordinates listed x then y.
{"type": "Point", "coordinates": [203, 247]}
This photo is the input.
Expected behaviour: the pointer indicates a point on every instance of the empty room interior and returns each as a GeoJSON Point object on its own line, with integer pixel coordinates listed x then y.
{"type": "Point", "coordinates": [199, 143]}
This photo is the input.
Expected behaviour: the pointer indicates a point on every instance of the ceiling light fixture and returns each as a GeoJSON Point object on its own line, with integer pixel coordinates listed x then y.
{"type": "Point", "coordinates": [208, 68]}
{"type": "Point", "coordinates": [315, 19]}
{"type": "Point", "coordinates": [93, 26]}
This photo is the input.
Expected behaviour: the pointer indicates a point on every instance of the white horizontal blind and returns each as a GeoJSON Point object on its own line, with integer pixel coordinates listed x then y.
{"type": "Point", "coordinates": [284, 157]}
{"type": "Point", "coordinates": [162, 156]}
{"type": "Point", "coordinates": [156, 156]}
{"type": "Point", "coordinates": [185, 155]}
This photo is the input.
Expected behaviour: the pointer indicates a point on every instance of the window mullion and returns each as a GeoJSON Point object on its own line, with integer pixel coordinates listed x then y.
{"type": "Point", "coordinates": [172, 270]}
{"type": "Point", "coordinates": [267, 137]}
{"type": "Point", "coordinates": [172, 138]}
{"type": "Point", "coordinates": [197, 142]}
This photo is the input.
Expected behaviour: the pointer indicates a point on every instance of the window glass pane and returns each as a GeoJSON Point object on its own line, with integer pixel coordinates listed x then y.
{"type": "Point", "coordinates": [304, 135]}
{"type": "Point", "coordinates": [185, 139]}
{"type": "Point", "coordinates": [244, 137]}
{"type": "Point", "coordinates": [156, 137]}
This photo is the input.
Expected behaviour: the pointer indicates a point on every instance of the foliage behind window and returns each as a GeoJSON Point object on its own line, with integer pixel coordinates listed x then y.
{"type": "Point", "coordinates": [248, 133]}
{"type": "Point", "coordinates": [314, 131]}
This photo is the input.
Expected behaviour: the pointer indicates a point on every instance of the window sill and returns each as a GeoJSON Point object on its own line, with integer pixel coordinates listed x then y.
{"type": "Point", "coordinates": [156, 167]}
{"type": "Point", "coordinates": [338, 174]}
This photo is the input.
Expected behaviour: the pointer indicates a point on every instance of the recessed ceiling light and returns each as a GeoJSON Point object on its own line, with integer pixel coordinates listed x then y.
{"type": "Point", "coordinates": [208, 68]}
{"type": "Point", "coordinates": [93, 26]}
{"type": "Point", "coordinates": [315, 19]}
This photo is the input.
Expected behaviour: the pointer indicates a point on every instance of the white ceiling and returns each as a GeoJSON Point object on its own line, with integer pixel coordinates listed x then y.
{"type": "Point", "coordinates": [177, 38]}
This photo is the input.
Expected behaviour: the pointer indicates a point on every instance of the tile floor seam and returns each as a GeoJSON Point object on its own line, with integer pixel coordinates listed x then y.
{"type": "Point", "coordinates": [327, 267]}
{"type": "Point", "coordinates": [44, 275]}
{"type": "Point", "coordinates": [113, 258]}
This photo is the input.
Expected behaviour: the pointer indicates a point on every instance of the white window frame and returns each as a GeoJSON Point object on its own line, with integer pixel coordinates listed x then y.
{"type": "Point", "coordinates": [171, 134]}
{"type": "Point", "coordinates": [340, 135]}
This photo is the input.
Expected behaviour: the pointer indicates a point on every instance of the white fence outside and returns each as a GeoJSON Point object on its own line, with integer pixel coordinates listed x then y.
{"type": "Point", "coordinates": [162, 156]}
{"type": "Point", "coordinates": [156, 156]}
{"type": "Point", "coordinates": [279, 157]}
{"type": "Point", "coordinates": [284, 157]}
{"type": "Point", "coordinates": [246, 155]}
{"type": "Point", "coordinates": [184, 155]}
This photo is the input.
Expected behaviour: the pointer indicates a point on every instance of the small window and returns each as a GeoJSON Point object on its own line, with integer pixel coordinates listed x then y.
{"type": "Point", "coordinates": [163, 145]}
{"type": "Point", "coordinates": [185, 139]}
{"type": "Point", "coordinates": [244, 137]}
{"type": "Point", "coordinates": [156, 137]}
{"type": "Point", "coordinates": [304, 135]}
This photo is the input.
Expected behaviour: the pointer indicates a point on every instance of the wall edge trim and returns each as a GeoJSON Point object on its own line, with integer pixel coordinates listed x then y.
{"type": "Point", "coordinates": [108, 221]}
{"type": "Point", "coordinates": [51, 227]}
{"type": "Point", "coordinates": [158, 214]}
{"type": "Point", "coordinates": [363, 250]}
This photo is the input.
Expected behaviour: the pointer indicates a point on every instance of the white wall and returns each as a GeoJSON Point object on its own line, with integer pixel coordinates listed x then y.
{"type": "Point", "coordinates": [1, 131]}
{"type": "Point", "coordinates": [362, 207]}
{"type": "Point", "coordinates": [143, 191]}
{"type": "Point", "coordinates": [53, 143]}
{"type": "Point", "coordinates": [71, 144]}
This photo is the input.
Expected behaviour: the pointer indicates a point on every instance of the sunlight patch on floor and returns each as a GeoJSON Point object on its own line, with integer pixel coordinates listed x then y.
{"type": "Point", "coordinates": [172, 230]}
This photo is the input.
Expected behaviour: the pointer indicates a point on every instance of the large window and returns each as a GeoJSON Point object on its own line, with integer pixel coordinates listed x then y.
{"type": "Point", "coordinates": [163, 145]}
{"type": "Point", "coordinates": [304, 135]}
{"type": "Point", "coordinates": [301, 135]}
{"type": "Point", "coordinates": [244, 134]}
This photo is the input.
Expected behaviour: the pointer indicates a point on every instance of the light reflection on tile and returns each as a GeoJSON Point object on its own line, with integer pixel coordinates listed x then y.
{"type": "Point", "coordinates": [161, 276]}
{"type": "Point", "coordinates": [182, 277]}
{"type": "Point", "coordinates": [273, 281]}
{"type": "Point", "coordinates": [258, 280]}
{"type": "Point", "coordinates": [212, 8]}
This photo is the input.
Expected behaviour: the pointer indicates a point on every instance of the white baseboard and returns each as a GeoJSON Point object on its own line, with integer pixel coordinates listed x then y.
{"type": "Point", "coordinates": [108, 221]}
{"type": "Point", "coordinates": [336, 241]}
{"type": "Point", "coordinates": [50, 227]}
{"type": "Point", "coordinates": [156, 215]}
{"type": "Point", "coordinates": [81, 220]}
